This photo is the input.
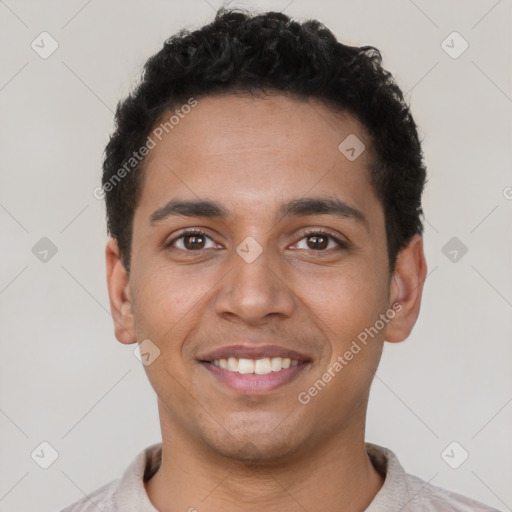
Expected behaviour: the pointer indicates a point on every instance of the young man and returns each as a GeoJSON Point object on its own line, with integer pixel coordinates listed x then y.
{"type": "Point", "coordinates": [263, 190]}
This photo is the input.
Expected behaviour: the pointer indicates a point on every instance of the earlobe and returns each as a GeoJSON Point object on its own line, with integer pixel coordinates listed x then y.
{"type": "Point", "coordinates": [119, 294]}
{"type": "Point", "coordinates": [406, 289]}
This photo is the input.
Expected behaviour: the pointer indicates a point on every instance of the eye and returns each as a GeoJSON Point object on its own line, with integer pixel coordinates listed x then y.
{"type": "Point", "coordinates": [197, 240]}
{"type": "Point", "coordinates": [193, 240]}
{"type": "Point", "coordinates": [319, 240]}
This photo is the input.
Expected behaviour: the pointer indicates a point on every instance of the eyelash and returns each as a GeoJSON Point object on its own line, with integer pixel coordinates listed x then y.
{"type": "Point", "coordinates": [191, 232]}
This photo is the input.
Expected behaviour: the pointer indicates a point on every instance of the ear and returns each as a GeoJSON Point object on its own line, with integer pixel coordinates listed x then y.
{"type": "Point", "coordinates": [119, 294]}
{"type": "Point", "coordinates": [406, 289]}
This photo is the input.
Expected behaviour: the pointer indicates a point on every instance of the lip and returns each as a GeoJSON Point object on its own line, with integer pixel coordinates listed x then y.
{"type": "Point", "coordinates": [254, 384]}
{"type": "Point", "coordinates": [251, 352]}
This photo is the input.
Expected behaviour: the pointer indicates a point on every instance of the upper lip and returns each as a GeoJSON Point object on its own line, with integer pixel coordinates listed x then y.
{"type": "Point", "coordinates": [254, 352]}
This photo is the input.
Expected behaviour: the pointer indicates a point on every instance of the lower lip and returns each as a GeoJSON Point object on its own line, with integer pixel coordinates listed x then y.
{"type": "Point", "coordinates": [251, 383]}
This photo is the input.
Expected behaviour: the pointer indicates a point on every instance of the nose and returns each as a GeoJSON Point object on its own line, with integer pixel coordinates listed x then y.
{"type": "Point", "coordinates": [254, 292]}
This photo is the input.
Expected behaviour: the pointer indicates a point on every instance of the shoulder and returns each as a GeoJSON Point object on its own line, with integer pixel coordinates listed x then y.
{"type": "Point", "coordinates": [428, 497]}
{"type": "Point", "coordinates": [103, 499]}
{"type": "Point", "coordinates": [127, 493]}
{"type": "Point", "coordinates": [409, 493]}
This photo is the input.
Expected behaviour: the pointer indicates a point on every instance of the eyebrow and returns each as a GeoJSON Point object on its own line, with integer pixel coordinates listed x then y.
{"type": "Point", "coordinates": [294, 208]}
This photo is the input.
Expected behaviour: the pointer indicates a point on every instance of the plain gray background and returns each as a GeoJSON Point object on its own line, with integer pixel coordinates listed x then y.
{"type": "Point", "coordinates": [64, 378]}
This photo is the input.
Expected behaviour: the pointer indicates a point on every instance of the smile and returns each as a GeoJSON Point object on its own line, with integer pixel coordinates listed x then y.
{"type": "Point", "coordinates": [256, 366]}
{"type": "Point", "coordinates": [254, 370]}
{"type": "Point", "coordinates": [246, 380]}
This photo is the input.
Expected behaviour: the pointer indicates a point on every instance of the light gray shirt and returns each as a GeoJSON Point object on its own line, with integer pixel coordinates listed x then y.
{"type": "Point", "coordinates": [401, 491]}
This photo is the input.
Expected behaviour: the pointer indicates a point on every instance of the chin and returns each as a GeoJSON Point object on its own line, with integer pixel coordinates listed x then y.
{"type": "Point", "coordinates": [254, 446]}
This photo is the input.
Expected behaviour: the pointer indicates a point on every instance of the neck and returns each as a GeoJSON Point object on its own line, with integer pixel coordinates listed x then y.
{"type": "Point", "coordinates": [334, 475]}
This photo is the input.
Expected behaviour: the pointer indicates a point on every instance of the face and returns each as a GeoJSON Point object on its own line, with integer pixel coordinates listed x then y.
{"type": "Point", "coordinates": [258, 258]}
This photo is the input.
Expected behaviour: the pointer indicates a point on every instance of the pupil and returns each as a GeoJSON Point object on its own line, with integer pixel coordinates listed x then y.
{"type": "Point", "coordinates": [195, 243]}
{"type": "Point", "coordinates": [319, 245]}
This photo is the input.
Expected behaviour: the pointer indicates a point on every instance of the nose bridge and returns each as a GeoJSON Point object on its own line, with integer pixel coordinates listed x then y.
{"type": "Point", "coordinates": [254, 288]}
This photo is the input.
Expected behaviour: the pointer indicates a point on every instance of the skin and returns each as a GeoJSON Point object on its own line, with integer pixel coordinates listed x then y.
{"type": "Point", "coordinates": [229, 451]}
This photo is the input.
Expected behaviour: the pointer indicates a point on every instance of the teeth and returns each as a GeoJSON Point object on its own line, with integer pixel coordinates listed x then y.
{"type": "Point", "coordinates": [232, 364]}
{"type": "Point", "coordinates": [276, 364]}
{"type": "Point", "coordinates": [258, 366]}
{"type": "Point", "coordinates": [262, 366]}
{"type": "Point", "coordinates": [245, 366]}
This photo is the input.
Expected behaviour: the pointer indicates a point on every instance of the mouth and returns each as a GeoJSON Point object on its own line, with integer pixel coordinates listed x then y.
{"type": "Point", "coordinates": [255, 370]}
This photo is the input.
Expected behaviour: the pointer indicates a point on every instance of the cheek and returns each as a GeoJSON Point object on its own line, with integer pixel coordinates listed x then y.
{"type": "Point", "coordinates": [164, 299]}
{"type": "Point", "coordinates": [168, 307]}
{"type": "Point", "coordinates": [345, 299]}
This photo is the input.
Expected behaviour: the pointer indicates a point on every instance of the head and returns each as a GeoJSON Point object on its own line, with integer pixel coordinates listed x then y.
{"type": "Point", "coordinates": [294, 164]}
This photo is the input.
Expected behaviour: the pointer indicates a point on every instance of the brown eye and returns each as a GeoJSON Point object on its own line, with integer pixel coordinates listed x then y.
{"type": "Point", "coordinates": [317, 241]}
{"type": "Point", "coordinates": [320, 241]}
{"type": "Point", "coordinates": [190, 241]}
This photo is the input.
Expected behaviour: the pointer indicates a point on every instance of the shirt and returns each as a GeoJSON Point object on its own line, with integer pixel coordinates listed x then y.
{"type": "Point", "coordinates": [401, 492]}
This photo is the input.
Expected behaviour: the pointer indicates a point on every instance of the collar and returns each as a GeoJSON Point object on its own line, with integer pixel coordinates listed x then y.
{"type": "Point", "coordinates": [132, 494]}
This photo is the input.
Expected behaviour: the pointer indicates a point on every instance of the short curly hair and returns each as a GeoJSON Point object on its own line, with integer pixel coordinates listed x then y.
{"type": "Point", "coordinates": [240, 52]}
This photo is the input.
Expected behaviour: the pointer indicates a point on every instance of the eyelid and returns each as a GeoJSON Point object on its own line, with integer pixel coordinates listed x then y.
{"type": "Point", "coordinates": [340, 241]}
{"type": "Point", "coordinates": [342, 244]}
{"type": "Point", "coordinates": [184, 232]}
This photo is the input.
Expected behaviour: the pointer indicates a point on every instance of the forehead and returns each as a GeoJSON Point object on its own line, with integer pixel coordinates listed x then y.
{"type": "Point", "coordinates": [229, 125]}
{"type": "Point", "coordinates": [249, 151]}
